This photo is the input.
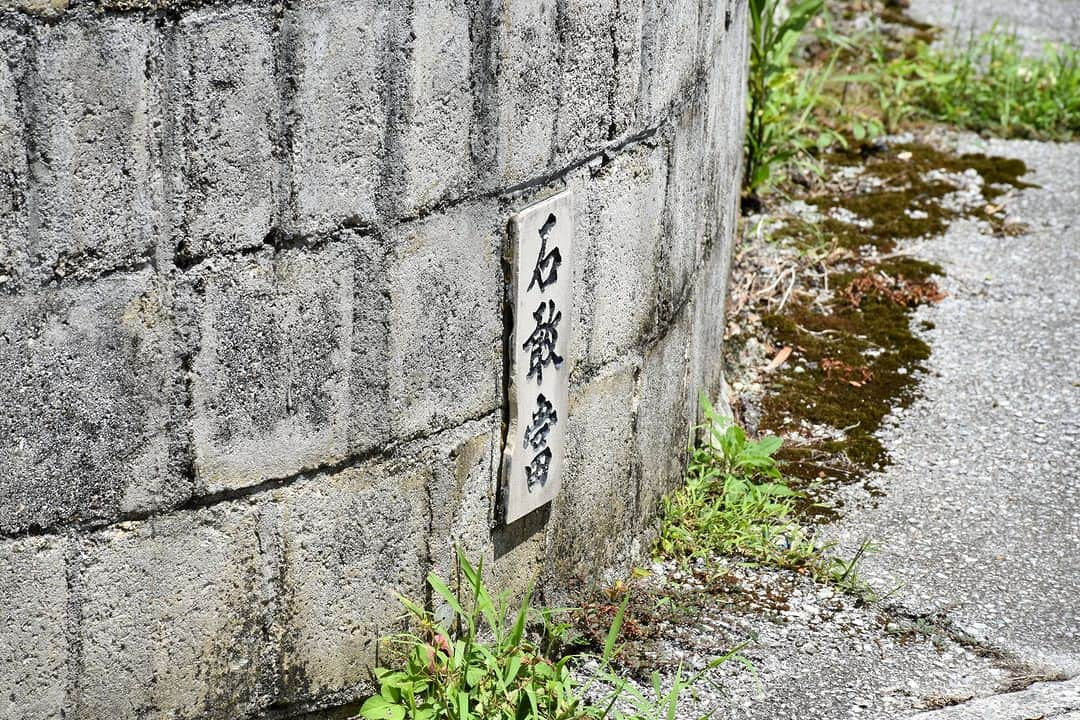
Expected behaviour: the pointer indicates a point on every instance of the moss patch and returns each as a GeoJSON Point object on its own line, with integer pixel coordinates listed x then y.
{"type": "Point", "coordinates": [856, 356]}
{"type": "Point", "coordinates": [906, 199]}
{"type": "Point", "coordinates": [856, 361]}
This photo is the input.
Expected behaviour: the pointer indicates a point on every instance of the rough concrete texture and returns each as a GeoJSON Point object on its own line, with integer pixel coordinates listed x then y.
{"type": "Point", "coordinates": [90, 403]}
{"type": "Point", "coordinates": [224, 96]}
{"type": "Point", "coordinates": [34, 647]}
{"type": "Point", "coordinates": [1047, 701]}
{"type": "Point", "coordinates": [252, 325]}
{"type": "Point", "coordinates": [172, 617]}
{"type": "Point", "coordinates": [270, 374]}
{"type": "Point", "coordinates": [1035, 22]}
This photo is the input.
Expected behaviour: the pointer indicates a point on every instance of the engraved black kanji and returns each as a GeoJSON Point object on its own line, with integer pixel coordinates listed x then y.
{"type": "Point", "coordinates": [543, 417]}
{"type": "Point", "coordinates": [541, 344]}
{"type": "Point", "coordinates": [546, 262]}
{"type": "Point", "coordinates": [536, 472]}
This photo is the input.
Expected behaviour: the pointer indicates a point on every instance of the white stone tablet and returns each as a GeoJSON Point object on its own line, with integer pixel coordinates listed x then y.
{"type": "Point", "coordinates": [540, 255]}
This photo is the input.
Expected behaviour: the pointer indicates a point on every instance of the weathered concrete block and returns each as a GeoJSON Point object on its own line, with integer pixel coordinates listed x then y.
{"type": "Point", "coordinates": [33, 621]}
{"type": "Point", "coordinates": [90, 107]}
{"type": "Point", "coordinates": [687, 205]}
{"type": "Point", "coordinates": [177, 617]}
{"type": "Point", "coordinates": [619, 232]}
{"type": "Point", "coordinates": [431, 143]}
{"type": "Point", "coordinates": [351, 543]}
{"type": "Point", "coordinates": [369, 382]}
{"type": "Point", "coordinates": [626, 35]}
{"type": "Point", "coordinates": [383, 111]}
{"type": "Point", "coordinates": [675, 52]}
{"type": "Point", "coordinates": [465, 464]}
{"type": "Point", "coordinates": [341, 67]}
{"type": "Point", "coordinates": [585, 122]}
{"type": "Point", "coordinates": [597, 502]}
{"type": "Point", "coordinates": [226, 113]}
{"type": "Point", "coordinates": [445, 319]}
{"type": "Point", "coordinates": [665, 410]}
{"type": "Point", "coordinates": [707, 336]}
{"type": "Point", "coordinates": [270, 381]}
{"type": "Point", "coordinates": [13, 170]}
{"type": "Point", "coordinates": [527, 54]}
{"type": "Point", "coordinates": [90, 400]}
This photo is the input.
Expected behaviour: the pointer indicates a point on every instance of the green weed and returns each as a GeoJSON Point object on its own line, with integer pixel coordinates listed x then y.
{"type": "Point", "coordinates": [990, 84]}
{"type": "Point", "coordinates": [782, 127]}
{"type": "Point", "coordinates": [484, 664]}
{"type": "Point", "coordinates": [735, 502]}
{"type": "Point", "coordinates": [869, 84]}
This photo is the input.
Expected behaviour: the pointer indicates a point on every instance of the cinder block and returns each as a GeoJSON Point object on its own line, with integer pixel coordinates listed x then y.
{"type": "Point", "coordinates": [465, 466]}
{"type": "Point", "coordinates": [226, 108]}
{"type": "Point", "coordinates": [91, 108]}
{"type": "Point", "coordinates": [369, 383]}
{"type": "Point", "coordinates": [527, 85]}
{"type": "Point", "coordinates": [619, 233]}
{"type": "Point", "coordinates": [587, 80]}
{"type": "Point", "coordinates": [433, 140]}
{"type": "Point", "coordinates": [688, 199]}
{"type": "Point", "coordinates": [33, 620]}
{"type": "Point", "coordinates": [177, 618]}
{"type": "Point", "coordinates": [675, 53]}
{"type": "Point", "coordinates": [708, 317]}
{"type": "Point", "coordinates": [352, 542]}
{"type": "Point", "coordinates": [626, 50]}
{"type": "Point", "coordinates": [445, 277]}
{"type": "Point", "coordinates": [665, 414]}
{"type": "Point", "coordinates": [595, 510]}
{"type": "Point", "coordinates": [13, 170]}
{"type": "Point", "coordinates": [91, 398]}
{"type": "Point", "coordinates": [341, 66]}
{"type": "Point", "coordinates": [270, 381]}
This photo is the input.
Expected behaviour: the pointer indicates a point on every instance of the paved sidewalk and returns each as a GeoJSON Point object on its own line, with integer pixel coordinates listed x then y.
{"type": "Point", "coordinates": [1052, 701]}
{"type": "Point", "coordinates": [1035, 20]}
{"type": "Point", "coordinates": [981, 509]}
{"type": "Point", "coordinates": [981, 514]}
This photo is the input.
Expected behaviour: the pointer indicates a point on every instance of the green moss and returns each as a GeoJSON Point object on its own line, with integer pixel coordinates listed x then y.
{"type": "Point", "coordinates": [905, 204]}
{"type": "Point", "coordinates": [857, 363]}
{"type": "Point", "coordinates": [878, 356]}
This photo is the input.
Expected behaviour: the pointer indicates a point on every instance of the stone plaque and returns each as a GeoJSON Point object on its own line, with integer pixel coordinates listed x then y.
{"type": "Point", "coordinates": [540, 258]}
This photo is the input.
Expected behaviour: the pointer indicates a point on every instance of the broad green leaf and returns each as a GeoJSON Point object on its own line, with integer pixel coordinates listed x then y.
{"type": "Point", "coordinates": [379, 708]}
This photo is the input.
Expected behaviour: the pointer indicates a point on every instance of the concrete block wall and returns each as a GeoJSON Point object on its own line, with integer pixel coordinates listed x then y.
{"type": "Point", "coordinates": [251, 321]}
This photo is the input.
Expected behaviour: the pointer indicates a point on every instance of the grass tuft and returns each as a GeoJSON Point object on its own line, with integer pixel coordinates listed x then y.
{"type": "Point", "coordinates": [736, 502]}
